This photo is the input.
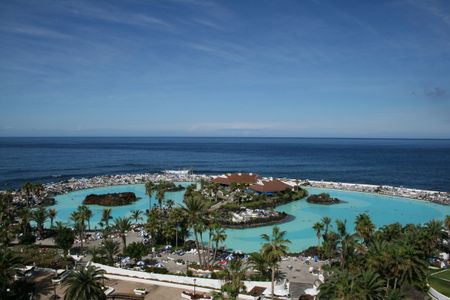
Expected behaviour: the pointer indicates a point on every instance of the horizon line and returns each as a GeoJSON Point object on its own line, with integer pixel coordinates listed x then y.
{"type": "Point", "coordinates": [233, 137]}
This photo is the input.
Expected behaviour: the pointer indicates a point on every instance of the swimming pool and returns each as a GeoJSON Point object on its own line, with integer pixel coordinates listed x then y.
{"type": "Point", "coordinates": [382, 209]}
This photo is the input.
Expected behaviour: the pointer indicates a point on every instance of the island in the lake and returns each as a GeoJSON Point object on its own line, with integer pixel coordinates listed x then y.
{"type": "Point", "coordinates": [323, 198]}
{"type": "Point", "coordinates": [111, 199]}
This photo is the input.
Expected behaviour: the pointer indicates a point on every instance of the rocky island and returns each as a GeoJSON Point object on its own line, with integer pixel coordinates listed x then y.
{"type": "Point", "coordinates": [323, 198]}
{"type": "Point", "coordinates": [111, 199]}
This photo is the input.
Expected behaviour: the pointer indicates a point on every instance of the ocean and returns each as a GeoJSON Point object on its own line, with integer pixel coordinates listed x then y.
{"type": "Point", "coordinates": [421, 164]}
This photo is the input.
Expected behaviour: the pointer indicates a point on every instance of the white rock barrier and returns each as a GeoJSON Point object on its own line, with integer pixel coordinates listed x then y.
{"type": "Point", "coordinates": [202, 284]}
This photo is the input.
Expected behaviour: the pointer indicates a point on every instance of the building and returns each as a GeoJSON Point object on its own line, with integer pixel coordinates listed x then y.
{"type": "Point", "coordinates": [236, 178]}
{"type": "Point", "coordinates": [269, 186]}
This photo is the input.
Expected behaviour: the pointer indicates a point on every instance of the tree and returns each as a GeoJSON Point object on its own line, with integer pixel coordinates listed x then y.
{"type": "Point", "coordinates": [260, 263]}
{"type": "Point", "coordinates": [233, 277]}
{"type": "Point", "coordinates": [86, 215]}
{"type": "Point", "coordinates": [160, 196]}
{"type": "Point", "coordinates": [78, 225]}
{"type": "Point", "coordinates": [136, 250]}
{"type": "Point", "coordinates": [194, 210]}
{"type": "Point", "coordinates": [122, 225]}
{"type": "Point", "coordinates": [153, 226]}
{"type": "Point", "coordinates": [8, 213]}
{"type": "Point", "coordinates": [219, 236]}
{"type": "Point", "coordinates": [51, 214]}
{"type": "Point", "coordinates": [85, 284]}
{"type": "Point", "coordinates": [136, 215]}
{"type": "Point", "coordinates": [149, 186]}
{"type": "Point", "coordinates": [111, 248]}
{"type": "Point", "coordinates": [8, 265]}
{"type": "Point", "coordinates": [40, 215]}
{"type": "Point", "coordinates": [170, 203]}
{"type": "Point", "coordinates": [326, 223]}
{"type": "Point", "coordinates": [364, 227]}
{"type": "Point", "coordinates": [64, 239]}
{"type": "Point", "coordinates": [274, 248]}
{"type": "Point", "coordinates": [95, 252]}
{"type": "Point", "coordinates": [344, 285]}
{"type": "Point", "coordinates": [318, 228]}
{"type": "Point", "coordinates": [106, 216]}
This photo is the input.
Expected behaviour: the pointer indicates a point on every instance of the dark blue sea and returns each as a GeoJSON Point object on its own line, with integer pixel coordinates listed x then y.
{"type": "Point", "coordinates": [410, 163]}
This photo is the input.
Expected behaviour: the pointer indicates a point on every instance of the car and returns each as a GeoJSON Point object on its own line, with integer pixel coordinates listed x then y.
{"type": "Point", "coordinates": [61, 275]}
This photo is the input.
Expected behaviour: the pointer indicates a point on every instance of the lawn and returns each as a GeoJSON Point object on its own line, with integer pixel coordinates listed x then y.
{"type": "Point", "coordinates": [440, 281]}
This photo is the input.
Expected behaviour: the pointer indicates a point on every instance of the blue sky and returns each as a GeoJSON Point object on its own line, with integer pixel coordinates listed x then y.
{"type": "Point", "coordinates": [310, 68]}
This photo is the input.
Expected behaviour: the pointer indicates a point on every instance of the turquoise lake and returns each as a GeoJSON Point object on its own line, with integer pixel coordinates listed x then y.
{"type": "Point", "coordinates": [382, 209]}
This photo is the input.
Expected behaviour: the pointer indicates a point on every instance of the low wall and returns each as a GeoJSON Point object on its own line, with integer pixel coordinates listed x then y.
{"type": "Point", "coordinates": [436, 295]}
{"type": "Point", "coordinates": [183, 281]}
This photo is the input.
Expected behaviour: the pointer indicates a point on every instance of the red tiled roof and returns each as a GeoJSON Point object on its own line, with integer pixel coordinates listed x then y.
{"type": "Point", "coordinates": [269, 186]}
{"type": "Point", "coordinates": [228, 179]}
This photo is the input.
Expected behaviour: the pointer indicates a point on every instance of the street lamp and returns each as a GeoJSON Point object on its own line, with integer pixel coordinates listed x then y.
{"type": "Point", "coordinates": [54, 291]}
{"type": "Point", "coordinates": [195, 280]}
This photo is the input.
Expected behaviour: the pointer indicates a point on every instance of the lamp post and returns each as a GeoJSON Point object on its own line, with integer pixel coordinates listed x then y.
{"type": "Point", "coordinates": [195, 280]}
{"type": "Point", "coordinates": [54, 292]}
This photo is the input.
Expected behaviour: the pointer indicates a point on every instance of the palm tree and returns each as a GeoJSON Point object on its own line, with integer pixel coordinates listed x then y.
{"type": "Point", "coordinates": [274, 248]}
{"type": "Point", "coordinates": [64, 238]}
{"type": "Point", "coordinates": [346, 241]}
{"type": "Point", "coordinates": [153, 226]}
{"type": "Point", "coordinates": [219, 236]}
{"type": "Point", "coordinates": [149, 186]}
{"type": "Point", "coordinates": [136, 215]}
{"type": "Point", "coordinates": [259, 263]}
{"type": "Point", "coordinates": [160, 196]}
{"type": "Point", "coordinates": [27, 189]}
{"type": "Point", "coordinates": [106, 216]}
{"type": "Point", "coordinates": [234, 276]}
{"type": "Point", "coordinates": [8, 268]}
{"type": "Point", "coordinates": [25, 216]}
{"type": "Point", "coordinates": [85, 284]}
{"type": "Point", "coordinates": [40, 215]}
{"type": "Point", "coordinates": [194, 210]}
{"type": "Point", "coordinates": [51, 214]}
{"type": "Point", "coordinates": [122, 225]}
{"type": "Point", "coordinates": [86, 215]}
{"type": "Point", "coordinates": [371, 286]}
{"type": "Point", "coordinates": [326, 223]}
{"type": "Point", "coordinates": [176, 218]}
{"type": "Point", "coordinates": [111, 248]}
{"type": "Point", "coordinates": [318, 228]}
{"type": "Point", "coordinates": [435, 229]}
{"type": "Point", "coordinates": [170, 203]}
{"type": "Point", "coordinates": [344, 285]}
{"type": "Point", "coordinates": [95, 251]}
{"type": "Point", "coordinates": [78, 226]}
{"type": "Point", "coordinates": [364, 227]}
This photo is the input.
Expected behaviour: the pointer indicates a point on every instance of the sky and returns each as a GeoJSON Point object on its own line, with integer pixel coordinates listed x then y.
{"type": "Point", "coordinates": [304, 68]}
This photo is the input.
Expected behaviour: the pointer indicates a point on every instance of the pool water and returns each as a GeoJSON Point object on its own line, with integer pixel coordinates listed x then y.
{"type": "Point", "coordinates": [382, 210]}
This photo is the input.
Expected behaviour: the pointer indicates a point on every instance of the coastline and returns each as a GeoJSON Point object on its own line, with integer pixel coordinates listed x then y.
{"type": "Point", "coordinates": [74, 184]}
{"type": "Point", "coordinates": [437, 197]}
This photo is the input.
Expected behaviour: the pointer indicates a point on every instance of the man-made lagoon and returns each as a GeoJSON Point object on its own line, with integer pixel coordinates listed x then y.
{"type": "Point", "coordinates": [382, 209]}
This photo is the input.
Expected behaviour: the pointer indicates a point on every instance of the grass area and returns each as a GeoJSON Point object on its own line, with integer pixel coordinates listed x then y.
{"type": "Point", "coordinates": [442, 275]}
{"type": "Point", "coordinates": [440, 281]}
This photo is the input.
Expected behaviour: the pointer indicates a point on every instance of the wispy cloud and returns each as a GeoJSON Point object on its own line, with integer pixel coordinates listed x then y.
{"type": "Point", "coordinates": [114, 14]}
{"type": "Point", "coordinates": [33, 30]}
{"type": "Point", "coordinates": [433, 7]}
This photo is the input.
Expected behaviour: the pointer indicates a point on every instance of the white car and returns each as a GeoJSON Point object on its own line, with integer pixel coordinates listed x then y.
{"type": "Point", "coordinates": [61, 275]}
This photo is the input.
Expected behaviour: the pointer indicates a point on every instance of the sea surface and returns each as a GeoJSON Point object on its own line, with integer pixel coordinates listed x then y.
{"type": "Point", "coordinates": [421, 164]}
